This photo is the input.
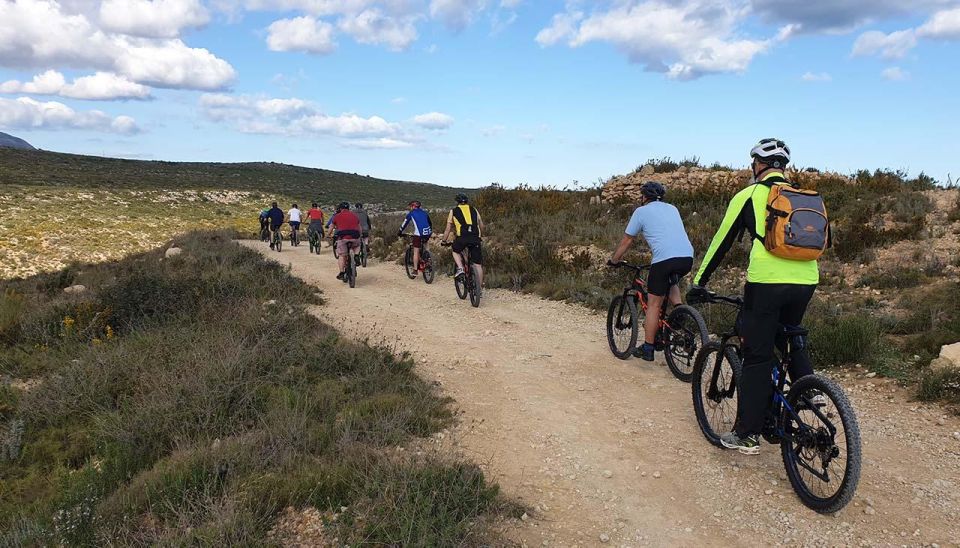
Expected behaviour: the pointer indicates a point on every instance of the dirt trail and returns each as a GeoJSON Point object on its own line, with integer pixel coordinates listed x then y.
{"type": "Point", "coordinates": [608, 451]}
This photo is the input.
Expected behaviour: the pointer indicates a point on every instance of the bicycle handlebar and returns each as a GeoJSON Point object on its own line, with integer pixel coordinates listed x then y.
{"type": "Point", "coordinates": [625, 264]}
{"type": "Point", "coordinates": [735, 300]}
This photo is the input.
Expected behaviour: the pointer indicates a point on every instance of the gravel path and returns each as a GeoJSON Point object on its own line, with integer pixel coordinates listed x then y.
{"type": "Point", "coordinates": [607, 452]}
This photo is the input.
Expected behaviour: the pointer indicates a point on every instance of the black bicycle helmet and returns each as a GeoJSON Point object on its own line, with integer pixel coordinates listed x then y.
{"type": "Point", "coordinates": [653, 190]}
{"type": "Point", "coordinates": [462, 198]}
{"type": "Point", "coordinates": [358, 205]}
{"type": "Point", "coordinates": [343, 205]}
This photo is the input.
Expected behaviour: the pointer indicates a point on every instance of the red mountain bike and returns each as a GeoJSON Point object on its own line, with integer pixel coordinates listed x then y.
{"type": "Point", "coordinates": [680, 336]}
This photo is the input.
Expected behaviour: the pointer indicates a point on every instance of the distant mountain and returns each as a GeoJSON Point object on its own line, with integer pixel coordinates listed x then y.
{"type": "Point", "coordinates": [270, 180]}
{"type": "Point", "coordinates": [9, 141]}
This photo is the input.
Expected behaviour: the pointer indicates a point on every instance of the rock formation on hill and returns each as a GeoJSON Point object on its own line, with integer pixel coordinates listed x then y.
{"type": "Point", "coordinates": [692, 178]}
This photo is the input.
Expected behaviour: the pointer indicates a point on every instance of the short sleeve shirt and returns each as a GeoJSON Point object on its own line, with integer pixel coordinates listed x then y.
{"type": "Point", "coordinates": [662, 228]}
{"type": "Point", "coordinates": [294, 215]}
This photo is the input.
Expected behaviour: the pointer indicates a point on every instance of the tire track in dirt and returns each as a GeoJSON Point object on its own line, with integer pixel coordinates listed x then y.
{"type": "Point", "coordinates": [608, 451]}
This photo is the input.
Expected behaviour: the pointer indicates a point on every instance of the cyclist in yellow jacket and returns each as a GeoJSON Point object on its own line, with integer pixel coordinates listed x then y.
{"type": "Point", "coordinates": [465, 222]}
{"type": "Point", "coordinates": [776, 294]}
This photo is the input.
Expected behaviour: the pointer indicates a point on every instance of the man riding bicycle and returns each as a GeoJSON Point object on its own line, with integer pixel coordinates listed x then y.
{"type": "Point", "coordinates": [663, 230]}
{"type": "Point", "coordinates": [365, 226]}
{"type": "Point", "coordinates": [294, 216]}
{"type": "Point", "coordinates": [315, 215]}
{"type": "Point", "coordinates": [776, 294]}
{"type": "Point", "coordinates": [464, 220]}
{"type": "Point", "coordinates": [275, 216]}
{"type": "Point", "coordinates": [422, 230]}
{"type": "Point", "coordinates": [264, 221]}
{"type": "Point", "coordinates": [347, 227]}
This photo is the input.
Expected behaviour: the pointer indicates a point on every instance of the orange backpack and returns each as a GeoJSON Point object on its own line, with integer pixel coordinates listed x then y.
{"type": "Point", "coordinates": [797, 226]}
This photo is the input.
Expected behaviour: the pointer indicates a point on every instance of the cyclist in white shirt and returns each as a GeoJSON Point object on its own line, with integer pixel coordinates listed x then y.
{"type": "Point", "coordinates": [294, 216]}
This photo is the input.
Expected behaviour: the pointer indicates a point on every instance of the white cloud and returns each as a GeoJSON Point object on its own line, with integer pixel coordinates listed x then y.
{"type": "Point", "coordinates": [152, 18]}
{"type": "Point", "coordinates": [306, 34]}
{"type": "Point", "coordinates": [816, 77]}
{"type": "Point", "coordinates": [433, 120]}
{"type": "Point", "coordinates": [944, 25]}
{"type": "Point", "coordinates": [102, 86]}
{"type": "Point", "coordinates": [291, 117]}
{"type": "Point", "coordinates": [684, 39]}
{"type": "Point", "coordinates": [381, 143]}
{"type": "Point", "coordinates": [42, 33]}
{"type": "Point", "coordinates": [27, 113]}
{"type": "Point", "coordinates": [456, 14]}
{"type": "Point", "coordinates": [895, 45]}
{"type": "Point", "coordinates": [838, 16]}
{"type": "Point", "coordinates": [373, 27]}
{"type": "Point", "coordinates": [895, 74]}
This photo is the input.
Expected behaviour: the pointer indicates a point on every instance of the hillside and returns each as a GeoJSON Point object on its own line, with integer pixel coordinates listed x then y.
{"type": "Point", "coordinates": [59, 208]}
{"type": "Point", "coordinates": [54, 169]}
{"type": "Point", "coordinates": [11, 142]}
{"type": "Point", "coordinates": [889, 295]}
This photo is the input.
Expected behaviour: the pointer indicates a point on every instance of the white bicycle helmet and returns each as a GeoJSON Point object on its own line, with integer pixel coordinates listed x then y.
{"type": "Point", "coordinates": [772, 149]}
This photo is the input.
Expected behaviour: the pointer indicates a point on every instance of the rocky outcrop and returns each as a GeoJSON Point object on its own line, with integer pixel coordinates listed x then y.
{"type": "Point", "coordinates": [949, 359]}
{"type": "Point", "coordinates": [694, 178]}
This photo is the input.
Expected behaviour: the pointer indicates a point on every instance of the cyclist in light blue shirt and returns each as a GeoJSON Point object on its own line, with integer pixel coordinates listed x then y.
{"type": "Point", "coordinates": [662, 228]}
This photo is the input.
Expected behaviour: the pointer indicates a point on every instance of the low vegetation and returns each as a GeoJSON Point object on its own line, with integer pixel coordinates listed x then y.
{"type": "Point", "coordinates": [878, 305]}
{"type": "Point", "coordinates": [189, 400]}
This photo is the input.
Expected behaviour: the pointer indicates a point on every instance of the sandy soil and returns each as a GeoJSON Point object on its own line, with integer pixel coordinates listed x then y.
{"type": "Point", "coordinates": [607, 452]}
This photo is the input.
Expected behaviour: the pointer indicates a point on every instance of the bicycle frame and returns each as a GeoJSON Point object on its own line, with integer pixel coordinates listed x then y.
{"type": "Point", "coordinates": [638, 290]}
{"type": "Point", "coordinates": [779, 403]}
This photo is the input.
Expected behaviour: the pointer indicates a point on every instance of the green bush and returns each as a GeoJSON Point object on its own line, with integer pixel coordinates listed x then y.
{"type": "Point", "coordinates": [216, 403]}
{"type": "Point", "coordinates": [843, 339]}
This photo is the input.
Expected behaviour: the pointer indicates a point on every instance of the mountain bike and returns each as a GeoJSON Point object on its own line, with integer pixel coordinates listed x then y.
{"type": "Point", "coordinates": [351, 268]}
{"type": "Point", "coordinates": [426, 262]}
{"type": "Point", "coordinates": [314, 241]}
{"type": "Point", "coordinates": [264, 233]}
{"type": "Point", "coordinates": [333, 244]}
{"type": "Point", "coordinates": [277, 240]}
{"type": "Point", "coordinates": [466, 285]}
{"type": "Point", "coordinates": [294, 237]}
{"type": "Point", "coordinates": [811, 418]}
{"type": "Point", "coordinates": [680, 335]}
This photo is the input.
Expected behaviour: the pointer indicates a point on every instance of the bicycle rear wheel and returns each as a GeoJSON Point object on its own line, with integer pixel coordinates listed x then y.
{"type": "Point", "coordinates": [408, 263]}
{"type": "Point", "coordinates": [623, 325]}
{"type": "Point", "coordinates": [278, 244]}
{"type": "Point", "coordinates": [352, 272]}
{"type": "Point", "coordinates": [474, 286]}
{"type": "Point", "coordinates": [715, 374]}
{"type": "Point", "coordinates": [335, 254]}
{"type": "Point", "coordinates": [821, 448]}
{"type": "Point", "coordinates": [461, 285]}
{"type": "Point", "coordinates": [684, 338]}
{"type": "Point", "coordinates": [428, 273]}
{"type": "Point", "coordinates": [364, 251]}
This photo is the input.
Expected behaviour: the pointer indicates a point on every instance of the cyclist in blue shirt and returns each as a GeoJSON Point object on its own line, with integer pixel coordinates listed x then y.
{"type": "Point", "coordinates": [422, 230]}
{"type": "Point", "coordinates": [276, 217]}
{"type": "Point", "coordinates": [662, 228]}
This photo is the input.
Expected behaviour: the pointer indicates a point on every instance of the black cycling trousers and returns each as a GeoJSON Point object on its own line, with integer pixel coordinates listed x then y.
{"type": "Point", "coordinates": [766, 308]}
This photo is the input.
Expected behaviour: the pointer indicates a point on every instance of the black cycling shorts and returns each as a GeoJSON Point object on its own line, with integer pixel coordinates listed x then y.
{"type": "Point", "coordinates": [473, 245]}
{"type": "Point", "coordinates": [658, 281]}
{"type": "Point", "coordinates": [275, 227]}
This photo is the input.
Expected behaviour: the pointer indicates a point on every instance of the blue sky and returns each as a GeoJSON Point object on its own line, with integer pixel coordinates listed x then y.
{"type": "Point", "coordinates": [469, 92]}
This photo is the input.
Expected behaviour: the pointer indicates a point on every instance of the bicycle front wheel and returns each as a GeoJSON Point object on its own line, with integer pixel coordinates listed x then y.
{"type": "Point", "coordinates": [352, 272]}
{"type": "Point", "coordinates": [821, 447]}
{"type": "Point", "coordinates": [461, 285]}
{"type": "Point", "coordinates": [279, 244]}
{"type": "Point", "coordinates": [715, 374]}
{"type": "Point", "coordinates": [364, 251]}
{"type": "Point", "coordinates": [684, 337]}
{"type": "Point", "coordinates": [623, 325]}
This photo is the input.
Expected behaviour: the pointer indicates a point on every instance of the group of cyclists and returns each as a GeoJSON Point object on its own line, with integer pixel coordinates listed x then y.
{"type": "Point", "coordinates": [776, 293]}
{"type": "Point", "coordinates": [349, 228]}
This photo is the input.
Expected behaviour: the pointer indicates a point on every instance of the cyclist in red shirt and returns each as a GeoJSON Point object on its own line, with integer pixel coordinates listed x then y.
{"type": "Point", "coordinates": [315, 215]}
{"type": "Point", "coordinates": [347, 226]}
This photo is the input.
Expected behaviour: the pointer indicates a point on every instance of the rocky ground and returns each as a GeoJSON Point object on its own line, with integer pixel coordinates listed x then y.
{"type": "Point", "coordinates": [607, 452]}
